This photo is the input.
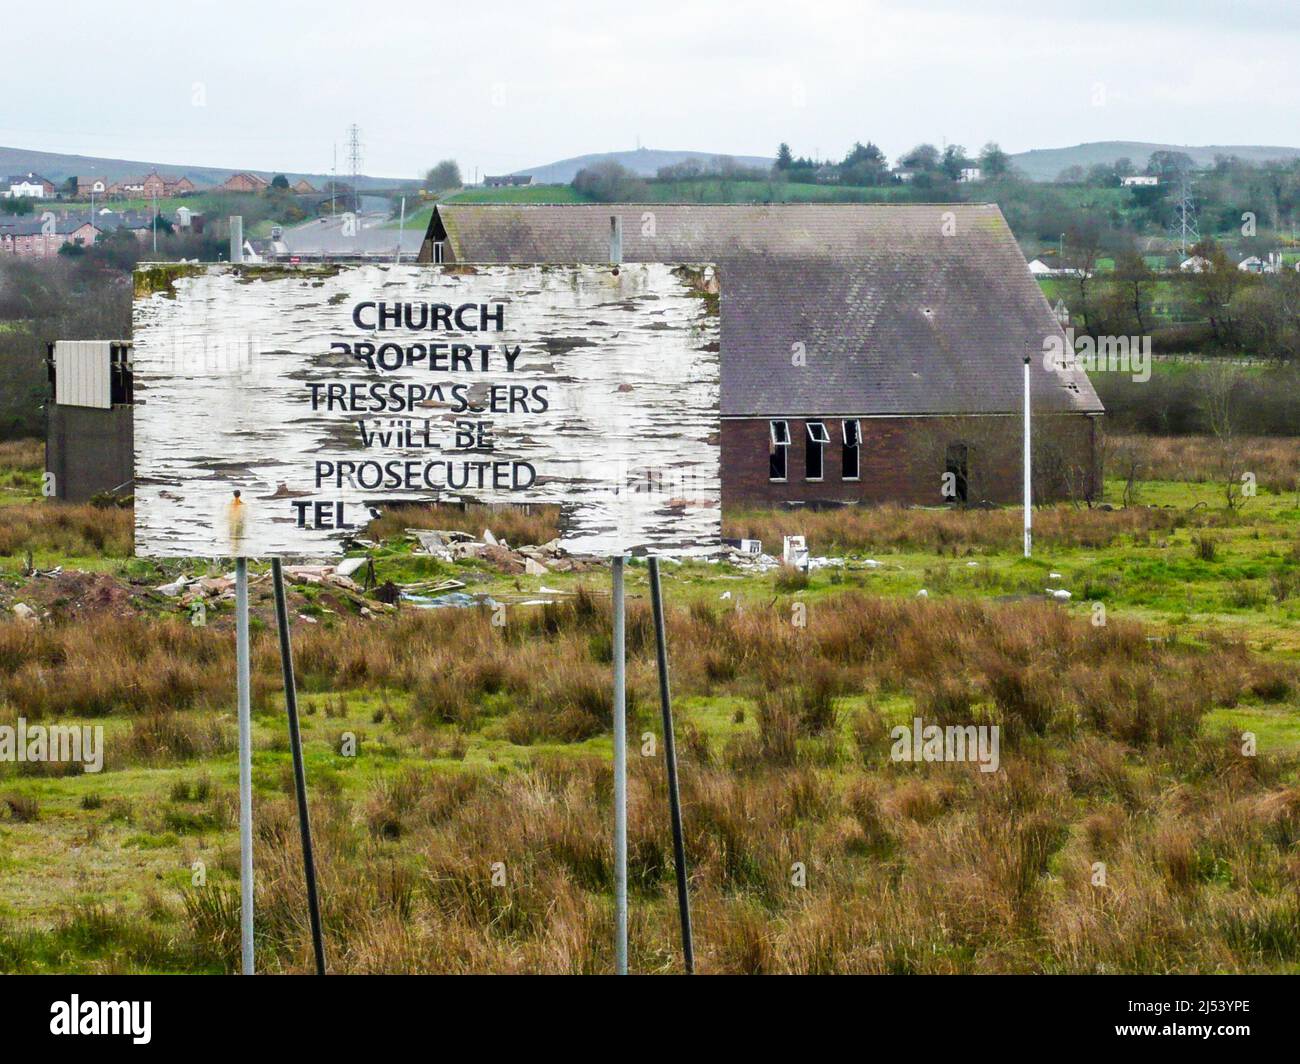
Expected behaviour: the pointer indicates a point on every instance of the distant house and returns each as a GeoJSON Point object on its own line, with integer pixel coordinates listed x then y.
{"type": "Point", "coordinates": [304, 187]}
{"type": "Point", "coordinates": [1254, 264]}
{"type": "Point", "coordinates": [30, 186]}
{"type": "Point", "coordinates": [1041, 268]}
{"type": "Point", "coordinates": [506, 180]}
{"type": "Point", "coordinates": [1139, 181]}
{"type": "Point", "coordinates": [904, 175]}
{"type": "Point", "coordinates": [971, 173]}
{"type": "Point", "coordinates": [43, 237]}
{"type": "Point", "coordinates": [153, 186]}
{"type": "Point", "coordinates": [243, 182]}
{"type": "Point", "coordinates": [91, 186]}
{"type": "Point", "coordinates": [1195, 264]}
{"type": "Point", "coordinates": [182, 186]}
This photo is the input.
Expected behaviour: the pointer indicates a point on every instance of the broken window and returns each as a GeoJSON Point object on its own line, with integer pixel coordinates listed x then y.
{"type": "Point", "coordinates": [955, 472]}
{"type": "Point", "coordinates": [818, 438]}
{"type": "Point", "coordinates": [778, 449]}
{"type": "Point", "coordinates": [852, 439]}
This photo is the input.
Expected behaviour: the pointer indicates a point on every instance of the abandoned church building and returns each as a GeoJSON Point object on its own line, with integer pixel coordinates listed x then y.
{"type": "Point", "coordinates": [870, 353]}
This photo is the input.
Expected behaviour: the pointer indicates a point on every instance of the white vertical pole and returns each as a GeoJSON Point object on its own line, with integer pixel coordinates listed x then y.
{"type": "Point", "coordinates": [236, 238]}
{"type": "Point", "coordinates": [401, 230]}
{"type": "Point", "coordinates": [1029, 519]}
{"type": "Point", "coordinates": [620, 780]}
{"type": "Point", "coordinates": [620, 713]}
{"type": "Point", "coordinates": [245, 767]}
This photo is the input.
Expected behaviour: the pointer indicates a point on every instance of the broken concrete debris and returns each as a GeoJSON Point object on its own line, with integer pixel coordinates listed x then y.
{"type": "Point", "coordinates": [452, 546]}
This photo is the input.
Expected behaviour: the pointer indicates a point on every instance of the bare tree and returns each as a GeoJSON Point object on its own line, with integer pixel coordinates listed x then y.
{"type": "Point", "coordinates": [1221, 385]}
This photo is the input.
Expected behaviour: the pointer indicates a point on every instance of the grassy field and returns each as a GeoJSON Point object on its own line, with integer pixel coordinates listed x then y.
{"type": "Point", "coordinates": [484, 747]}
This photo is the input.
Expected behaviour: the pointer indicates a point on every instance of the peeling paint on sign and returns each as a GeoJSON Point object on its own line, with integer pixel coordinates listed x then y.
{"type": "Point", "coordinates": [276, 406]}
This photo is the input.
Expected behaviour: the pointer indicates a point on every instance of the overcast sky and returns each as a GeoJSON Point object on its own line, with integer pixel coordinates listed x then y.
{"type": "Point", "coordinates": [274, 85]}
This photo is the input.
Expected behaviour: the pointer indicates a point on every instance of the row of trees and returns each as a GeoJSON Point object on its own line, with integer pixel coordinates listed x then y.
{"type": "Point", "coordinates": [1220, 308]}
{"type": "Point", "coordinates": [866, 165]}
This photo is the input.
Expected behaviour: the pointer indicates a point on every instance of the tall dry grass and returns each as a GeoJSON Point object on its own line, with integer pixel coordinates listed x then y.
{"type": "Point", "coordinates": [1275, 460]}
{"type": "Point", "coordinates": [883, 528]}
{"type": "Point", "coordinates": [909, 868]}
{"type": "Point", "coordinates": [66, 530]}
{"type": "Point", "coordinates": [25, 456]}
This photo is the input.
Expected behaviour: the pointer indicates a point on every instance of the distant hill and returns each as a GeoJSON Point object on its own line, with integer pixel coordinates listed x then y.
{"type": "Point", "coordinates": [57, 167]}
{"type": "Point", "coordinates": [1043, 164]}
{"type": "Point", "coordinates": [643, 161]}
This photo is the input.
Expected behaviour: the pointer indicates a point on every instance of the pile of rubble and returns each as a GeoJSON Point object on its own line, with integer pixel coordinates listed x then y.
{"type": "Point", "coordinates": [338, 579]}
{"type": "Point", "coordinates": [452, 546]}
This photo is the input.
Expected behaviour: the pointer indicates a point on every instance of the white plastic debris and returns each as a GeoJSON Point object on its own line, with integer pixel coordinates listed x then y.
{"type": "Point", "coordinates": [1055, 576]}
{"type": "Point", "coordinates": [488, 538]}
{"type": "Point", "coordinates": [175, 587]}
{"type": "Point", "coordinates": [725, 595]}
{"type": "Point", "coordinates": [923, 593]}
{"type": "Point", "coordinates": [795, 552]}
{"type": "Point", "coordinates": [1060, 594]}
{"type": "Point", "coordinates": [348, 566]}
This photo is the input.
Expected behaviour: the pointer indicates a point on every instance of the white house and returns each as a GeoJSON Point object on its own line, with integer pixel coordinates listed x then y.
{"type": "Point", "coordinates": [1139, 181]}
{"type": "Point", "coordinates": [1039, 268]}
{"type": "Point", "coordinates": [970, 173]}
{"type": "Point", "coordinates": [1196, 264]}
{"type": "Point", "coordinates": [1253, 264]}
{"type": "Point", "coordinates": [31, 186]}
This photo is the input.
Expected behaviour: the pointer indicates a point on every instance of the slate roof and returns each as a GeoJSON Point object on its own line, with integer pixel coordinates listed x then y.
{"type": "Point", "coordinates": [896, 318]}
{"type": "Point", "coordinates": [70, 221]}
{"type": "Point", "coordinates": [63, 225]}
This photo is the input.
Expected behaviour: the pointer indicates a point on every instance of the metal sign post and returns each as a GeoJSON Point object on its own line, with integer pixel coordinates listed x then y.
{"type": "Point", "coordinates": [620, 712]}
{"type": "Point", "coordinates": [245, 767]}
{"type": "Point", "coordinates": [1029, 519]}
{"type": "Point", "coordinates": [620, 779]}
{"type": "Point", "coordinates": [299, 770]}
{"type": "Point", "coordinates": [670, 758]}
{"type": "Point", "coordinates": [245, 714]}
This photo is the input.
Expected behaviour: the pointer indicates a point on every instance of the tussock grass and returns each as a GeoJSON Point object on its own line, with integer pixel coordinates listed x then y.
{"type": "Point", "coordinates": [1275, 460]}
{"type": "Point", "coordinates": [861, 529]}
{"type": "Point", "coordinates": [66, 529]}
{"type": "Point", "coordinates": [25, 456]}
{"type": "Point", "coordinates": [909, 868]}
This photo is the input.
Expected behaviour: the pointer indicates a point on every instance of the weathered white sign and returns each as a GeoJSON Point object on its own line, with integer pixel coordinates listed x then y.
{"type": "Point", "coordinates": [278, 407]}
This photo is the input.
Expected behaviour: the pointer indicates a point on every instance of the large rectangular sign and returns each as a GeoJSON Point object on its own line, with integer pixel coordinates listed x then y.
{"type": "Point", "coordinates": [277, 407]}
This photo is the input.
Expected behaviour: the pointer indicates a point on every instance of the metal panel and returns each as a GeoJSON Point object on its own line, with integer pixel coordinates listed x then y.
{"type": "Point", "coordinates": [274, 407]}
{"type": "Point", "coordinates": [83, 374]}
